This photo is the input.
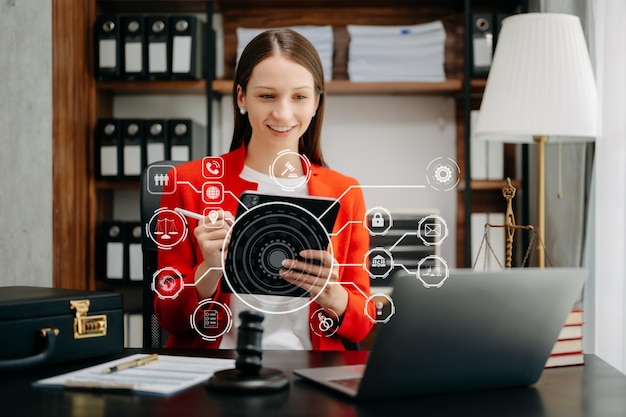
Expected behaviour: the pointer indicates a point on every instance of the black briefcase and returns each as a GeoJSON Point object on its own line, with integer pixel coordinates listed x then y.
{"type": "Point", "coordinates": [49, 325]}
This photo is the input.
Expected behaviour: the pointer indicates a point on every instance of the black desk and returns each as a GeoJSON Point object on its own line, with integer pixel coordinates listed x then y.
{"type": "Point", "coordinates": [595, 389]}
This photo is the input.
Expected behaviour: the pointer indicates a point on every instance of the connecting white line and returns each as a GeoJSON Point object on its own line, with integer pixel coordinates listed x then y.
{"type": "Point", "coordinates": [405, 268]}
{"type": "Point", "coordinates": [190, 186]}
{"type": "Point", "coordinates": [202, 277]}
{"type": "Point", "coordinates": [344, 226]}
{"type": "Point", "coordinates": [402, 237]}
{"type": "Point", "coordinates": [371, 186]}
{"type": "Point", "coordinates": [351, 283]}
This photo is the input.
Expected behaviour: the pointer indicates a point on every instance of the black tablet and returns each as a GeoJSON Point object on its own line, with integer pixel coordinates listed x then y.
{"type": "Point", "coordinates": [268, 229]}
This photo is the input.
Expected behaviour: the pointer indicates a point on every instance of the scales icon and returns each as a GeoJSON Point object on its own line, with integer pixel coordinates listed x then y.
{"type": "Point", "coordinates": [166, 228]}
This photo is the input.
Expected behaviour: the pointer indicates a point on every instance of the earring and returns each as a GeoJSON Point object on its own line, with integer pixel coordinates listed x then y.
{"type": "Point", "coordinates": [242, 110]}
{"type": "Point", "coordinates": [314, 113]}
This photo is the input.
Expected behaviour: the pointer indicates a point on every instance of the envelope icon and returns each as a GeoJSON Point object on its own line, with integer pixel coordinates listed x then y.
{"type": "Point", "coordinates": [432, 230]}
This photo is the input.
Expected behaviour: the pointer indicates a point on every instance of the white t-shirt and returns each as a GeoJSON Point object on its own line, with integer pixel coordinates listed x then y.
{"type": "Point", "coordinates": [289, 331]}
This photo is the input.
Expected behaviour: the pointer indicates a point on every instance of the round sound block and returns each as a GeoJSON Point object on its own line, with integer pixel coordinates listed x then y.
{"type": "Point", "coordinates": [267, 380]}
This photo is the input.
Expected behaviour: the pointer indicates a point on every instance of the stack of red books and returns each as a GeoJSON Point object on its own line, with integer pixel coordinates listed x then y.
{"type": "Point", "coordinates": [568, 349]}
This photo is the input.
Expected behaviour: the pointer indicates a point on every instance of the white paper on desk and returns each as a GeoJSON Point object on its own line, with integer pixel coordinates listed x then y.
{"type": "Point", "coordinates": [167, 376]}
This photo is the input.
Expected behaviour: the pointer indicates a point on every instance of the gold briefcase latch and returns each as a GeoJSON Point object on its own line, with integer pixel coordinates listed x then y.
{"type": "Point", "coordinates": [87, 326]}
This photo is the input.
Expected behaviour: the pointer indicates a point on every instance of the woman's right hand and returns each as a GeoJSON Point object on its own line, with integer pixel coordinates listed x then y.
{"type": "Point", "coordinates": [211, 234]}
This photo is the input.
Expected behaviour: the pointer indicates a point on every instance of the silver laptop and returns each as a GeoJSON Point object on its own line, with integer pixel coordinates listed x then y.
{"type": "Point", "coordinates": [479, 330]}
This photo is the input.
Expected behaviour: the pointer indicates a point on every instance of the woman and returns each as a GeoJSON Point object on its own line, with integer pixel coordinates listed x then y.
{"type": "Point", "coordinates": [278, 108]}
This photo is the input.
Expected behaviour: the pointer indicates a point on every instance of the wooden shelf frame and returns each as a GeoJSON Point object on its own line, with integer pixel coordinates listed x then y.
{"type": "Point", "coordinates": [338, 87]}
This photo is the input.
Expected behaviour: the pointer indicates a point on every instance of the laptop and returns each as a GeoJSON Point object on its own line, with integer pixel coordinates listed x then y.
{"type": "Point", "coordinates": [479, 330]}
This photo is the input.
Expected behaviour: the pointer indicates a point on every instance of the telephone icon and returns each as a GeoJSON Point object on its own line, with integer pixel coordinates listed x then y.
{"type": "Point", "coordinates": [212, 167]}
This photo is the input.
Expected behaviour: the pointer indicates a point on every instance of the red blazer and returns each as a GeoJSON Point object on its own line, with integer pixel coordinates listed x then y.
{"type": "Point", "coordinates": [349, 246]}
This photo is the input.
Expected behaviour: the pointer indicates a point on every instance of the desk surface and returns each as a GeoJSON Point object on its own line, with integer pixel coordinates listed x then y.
{"type": "Point", "coordinates": [595, 389]}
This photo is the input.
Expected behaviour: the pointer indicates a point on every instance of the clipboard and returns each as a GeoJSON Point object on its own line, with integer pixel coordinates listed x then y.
{"type": "Point", "coordinates": [164, 377]}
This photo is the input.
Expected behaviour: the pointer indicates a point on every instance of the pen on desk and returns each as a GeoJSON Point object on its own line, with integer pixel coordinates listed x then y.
{"type": "Point", "coordinates": [131, 364]}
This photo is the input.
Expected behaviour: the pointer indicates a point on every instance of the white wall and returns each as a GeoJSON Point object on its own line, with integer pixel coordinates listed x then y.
{"type": "Point", "coordinates": [26, 142]}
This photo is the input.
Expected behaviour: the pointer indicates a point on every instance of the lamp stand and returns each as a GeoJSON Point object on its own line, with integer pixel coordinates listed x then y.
{"type": "Point", "coordinates": [541, 203]}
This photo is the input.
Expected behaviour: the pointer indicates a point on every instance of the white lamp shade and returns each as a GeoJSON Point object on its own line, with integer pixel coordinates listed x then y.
{"type": "Point", "coordinates": [540, 82]}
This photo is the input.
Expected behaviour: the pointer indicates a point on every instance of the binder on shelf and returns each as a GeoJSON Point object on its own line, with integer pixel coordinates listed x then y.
{"type": "Point", "coordinates": [133, 51]}
{"type": "Point", "coordinates": [108, 146]}
{"type": "Point", "coordinates": [108, 63]}
{"type": "Point", "coordinates": [487, 157]}
{"type": "Point", "coordinates": [187, 46]}
{"type": "Point", "coordinates": [132, 145]}
{"type": "Point", "coordinates": [155, 131]}
{"type": "Point", "coordinates": [482, 45]}
{"type": "Point", "coordinates": [187, 140]}
{"type": "Point", "coordinates": [133, 254]}
{"type": "Point", "coordinates": [478, 150]}
{"type": "Point", "coordinates": [157, 44]}
{"type": "Point", "coordinates": [113, 240]}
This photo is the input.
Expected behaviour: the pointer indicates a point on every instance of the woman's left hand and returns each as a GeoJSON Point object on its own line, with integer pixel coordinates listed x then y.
{"type": "Point", "coordinates": [320, 280]}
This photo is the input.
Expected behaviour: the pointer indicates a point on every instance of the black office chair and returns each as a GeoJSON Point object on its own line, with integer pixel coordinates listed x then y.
{"type": "Point", "coordinates": [153, 335]}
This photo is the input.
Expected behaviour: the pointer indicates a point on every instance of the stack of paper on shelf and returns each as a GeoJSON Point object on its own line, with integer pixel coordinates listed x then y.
{"type": "Point", "coordinates": [397, 53]}
{"type": "Point", "coordinates": [320, 36]}
{"type": "Point", "coordinates": [568, 349]}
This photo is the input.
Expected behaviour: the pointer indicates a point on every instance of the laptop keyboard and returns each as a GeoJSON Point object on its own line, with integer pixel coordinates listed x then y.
{"type": "Point", "coordinates": [352, 383]}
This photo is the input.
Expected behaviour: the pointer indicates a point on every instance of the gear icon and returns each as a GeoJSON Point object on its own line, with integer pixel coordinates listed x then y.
{"type": "Point", "coordinates": [443, 174]}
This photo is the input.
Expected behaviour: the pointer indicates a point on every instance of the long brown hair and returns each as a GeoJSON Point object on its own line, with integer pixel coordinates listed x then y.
{"type": "Point", "coordinates": [291, 45]}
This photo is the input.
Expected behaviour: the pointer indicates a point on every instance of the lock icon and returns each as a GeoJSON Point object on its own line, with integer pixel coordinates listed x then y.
{"type": "Point", "coordinates": [377, 220]}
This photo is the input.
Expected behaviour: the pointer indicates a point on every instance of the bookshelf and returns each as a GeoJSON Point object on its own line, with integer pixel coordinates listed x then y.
{"type": "Point", "coordinates": [81, 202]}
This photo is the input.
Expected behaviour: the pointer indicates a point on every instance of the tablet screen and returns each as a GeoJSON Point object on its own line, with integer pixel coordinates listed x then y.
{"type": "Point", "coordinates": [269, 229]}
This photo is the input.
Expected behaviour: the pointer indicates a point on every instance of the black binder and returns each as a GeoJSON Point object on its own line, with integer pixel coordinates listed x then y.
{"type": "Point", "coordinates": [187, 46]}
{"type": "Point", "coordinates": [133, 264]}
{"type": "Point", "coordinates": [158, 51]}
{"type": "Point", "coordinates": [179, 139]}
{"type": "Point", "coordinates": [108, 149]}
{"type": "Point", "coordinates": [155, 149]}
{"type": "Point", "coordinates": [132, 144]}
{"type": "Point", "coordinates": [107, 35]}
{"type": "Point", "coordinates": [113, 242]}
{"type": "Point", "coordinates": [483, 42]}
{"type": "Point", "coordinates": [133, 43]}
{"type": "Point", "coordinates": [187, 140]}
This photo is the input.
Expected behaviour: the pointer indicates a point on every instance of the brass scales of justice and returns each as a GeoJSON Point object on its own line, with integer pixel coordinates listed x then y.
{"type": "Point", "coordinates": [508, 192]}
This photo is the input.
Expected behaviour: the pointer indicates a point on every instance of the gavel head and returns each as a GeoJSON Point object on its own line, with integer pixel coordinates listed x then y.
{"type": "Point", "coordinates": [249, 337]}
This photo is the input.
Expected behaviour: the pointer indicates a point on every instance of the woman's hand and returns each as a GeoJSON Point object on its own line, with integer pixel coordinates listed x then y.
{"type": "Point", "coordinates": [211, 234]}
{"type": "Point", "coordinates": [312, 277]}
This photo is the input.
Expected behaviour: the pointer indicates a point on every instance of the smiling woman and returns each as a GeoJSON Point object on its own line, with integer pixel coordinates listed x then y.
{"type": "Point", "coordinates": [278, 98]}
{"type": "Point", "coordinates": [279, 108]}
